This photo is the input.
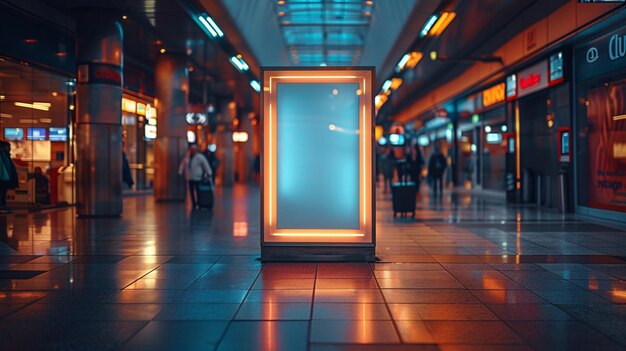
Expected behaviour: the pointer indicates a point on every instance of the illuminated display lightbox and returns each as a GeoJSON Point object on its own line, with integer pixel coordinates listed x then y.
{"type": "Point", "coordinates": [317, 198]}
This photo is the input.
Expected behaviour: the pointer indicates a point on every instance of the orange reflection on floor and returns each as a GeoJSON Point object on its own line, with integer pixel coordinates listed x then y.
{"type": "Point", "coordinates": [240, 228]}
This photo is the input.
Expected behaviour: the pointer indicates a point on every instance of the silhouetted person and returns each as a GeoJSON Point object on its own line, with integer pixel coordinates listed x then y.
{"type": "Point", "coordinates": [436, 168]}
{"type": "Point", "coordinates": [388, 161]}
{"type": "Point", "coordinates": [257, 169]}
{"type": "Point", "coordinates": [214, 162]}
{"type": "Point", "coordinates": [195, 167]}
{"type": "Point", "coordinates": [8, 175]}
{"type": "Point", "coordinates": [415, 168]}
{"type": "Point", "coordinates": [42, 186]}
{"type": "Point", "coordinates": [127, 176]}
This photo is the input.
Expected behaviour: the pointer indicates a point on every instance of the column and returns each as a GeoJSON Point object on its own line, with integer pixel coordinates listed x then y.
{"type": "Point", "coordinates": [99, 113]}
{"type": "Point", "coordinates": [172, 87]}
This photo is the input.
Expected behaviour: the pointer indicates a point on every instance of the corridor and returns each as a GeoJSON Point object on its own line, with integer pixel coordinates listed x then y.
{"type": "Point", "coordinates": [469, 273]}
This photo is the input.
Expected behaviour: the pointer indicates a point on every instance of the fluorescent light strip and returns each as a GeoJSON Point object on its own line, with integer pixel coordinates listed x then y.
{"type": "Point", "coordinates": [429, 24]}
{"type": "Point", "coordinates": [364, 180]}
{"type": "Point", "coordinates": [208, 26]}
{"type": "Point", "coordinates": [386, 85]}
{"type": "Point", "coordinates": [443, 22]}
{"type": "Point", "coordinates": [256, 86]}
{"type": "Point", "coordinates": [235, 61]}
{"type": "Point", "coordinates": [402, 62]}
{"type": "Point", "coordinates": [215, 26]}
{"type": "Point", "coordinates": [619, 117]}
{"type": "Point", "coordinates": [319, 234]}
{"type": "Point", "coordinates": [239, 63]}
{"type": "Point", "coordinates": [271, 168]}
{"type": "Point", "coordinates": [34, 106]}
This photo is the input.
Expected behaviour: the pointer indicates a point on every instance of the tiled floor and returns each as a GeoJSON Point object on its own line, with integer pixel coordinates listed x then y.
{"type": "Point", "coordinates": [469, 273]}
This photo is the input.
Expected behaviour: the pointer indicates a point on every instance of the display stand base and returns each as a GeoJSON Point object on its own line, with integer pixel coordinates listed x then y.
{"type": "Point", "coordinates": [318, 254]}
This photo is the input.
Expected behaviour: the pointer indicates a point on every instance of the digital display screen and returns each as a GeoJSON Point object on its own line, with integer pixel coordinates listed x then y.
{"type": "Point", "coordinates": [565, 143]}
{"type": "Point", "coordinates": [494, 138]}
{"type": "Point", "coordinates": [396, 139]}
{"type": "Point", "coordinates": [14, 134]}
{"type": "Point", "coordinates": [36, 134]}
{"type": "Point", "coordinates": [57, 134]}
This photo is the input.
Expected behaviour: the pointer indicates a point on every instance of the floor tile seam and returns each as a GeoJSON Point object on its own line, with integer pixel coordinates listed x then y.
{"type": "Point", "coordinates": [310, 324]}
{"type": "Point", "coordinates": [230, 322]}
{"type": "Point", "coordinates": [558, 306]}
{"type": "Point", "coordinates": [528, 341]}
{"type": "Point", "coordinates": [487, 307]}
{"type": "Point", "coordinates": [128, 339]}
{"type": "Point", "coordinates": [22, 308]}
{"type": "Point", "coordinates": [387, 308]}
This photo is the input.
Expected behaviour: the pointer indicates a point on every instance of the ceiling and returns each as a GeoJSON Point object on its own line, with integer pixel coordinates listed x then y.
{"type": "Point", "coordinates": [324, 32]}
{"type": "Point", "coordinates": [152, 25]}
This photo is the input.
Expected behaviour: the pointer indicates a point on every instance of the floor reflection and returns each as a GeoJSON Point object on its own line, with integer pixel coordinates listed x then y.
{"type": "Point", "coordinates": [467, 272]}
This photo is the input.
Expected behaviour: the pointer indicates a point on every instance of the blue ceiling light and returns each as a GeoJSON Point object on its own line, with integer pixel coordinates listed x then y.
{"type": "Point", "coordinates": [386, 85]}
{"type": "Point", "coordinates": [429, 24]}
{"type": "Point", "coordinates": [402, 62]}
{"type": "Point", "coordinates": [256, 86]}
{"type": "Point", "coordinates": [239, 63]}
{"type": "Point", "coordinates": [211, 26]}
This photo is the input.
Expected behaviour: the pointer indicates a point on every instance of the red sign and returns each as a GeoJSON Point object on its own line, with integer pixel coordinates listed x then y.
{"type": "Point", "coordinates": [532, 79]}
{"type": "Point", "coordinates": [529, 81]}
{"type": "Point", "coordinates": [108, 74]}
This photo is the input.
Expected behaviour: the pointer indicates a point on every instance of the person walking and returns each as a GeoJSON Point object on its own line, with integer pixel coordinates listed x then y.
{"type": "Point", "coordinates": [417, 163]}
{"type": "Point", "coordinates": [8, 175]}
{"type": "Point", "coordinates": [196, 168]}
{"type": "Point", "coordinates": [436, 167]}
{"type": "Point", "coordinates": [388, 161]}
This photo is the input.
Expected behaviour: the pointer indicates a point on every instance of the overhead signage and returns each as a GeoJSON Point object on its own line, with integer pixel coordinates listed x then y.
{"type": "Point", "coordinates": [99, 73]}
{"type": "Point", "coordinates": [556, 68]}
{"type": "Point", "coordinates": [532, 79]}
{"type": "Point", "coordinates": [129, 105]}
{"type": "Point", "coordinates": [511, 87]}
{"type": "Point", "coordinates": [494, 95]}
{"type": "Point", "coordinates": [605, 54]}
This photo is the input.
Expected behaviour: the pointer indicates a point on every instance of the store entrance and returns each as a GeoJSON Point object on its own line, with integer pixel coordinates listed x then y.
{"type": "Point", "coordinates": [538, 152]}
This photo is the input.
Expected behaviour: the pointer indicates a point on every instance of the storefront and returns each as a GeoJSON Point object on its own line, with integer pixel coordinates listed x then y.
{"type": "Point", "coordinates": [36, 106]}
{"type": "Point", "coordinates": [540, 107]}
{"type": "Point", "coordinates": [139, 132]}
{"type": "Point", "coordinates": [482, 148]}
{"type": "Point", "coordinates": [600, 138]}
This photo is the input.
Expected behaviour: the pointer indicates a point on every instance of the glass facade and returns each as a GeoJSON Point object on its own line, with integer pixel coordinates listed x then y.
{"type": "Point", "coordinates": [601, 151]}
{"type": "Point", "coordinates": [138, 128]}
{"type": "Point", "coordinates": [36, 108]}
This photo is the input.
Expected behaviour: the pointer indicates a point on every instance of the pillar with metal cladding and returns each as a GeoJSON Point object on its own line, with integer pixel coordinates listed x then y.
{"type": "Point", "coordinates": [99, 113]}
{"type": "Point", "coordinates": [172, 87]}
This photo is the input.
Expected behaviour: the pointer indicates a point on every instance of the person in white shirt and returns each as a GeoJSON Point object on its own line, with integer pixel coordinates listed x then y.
{"type": "Point", "coordinates": [196, 168]}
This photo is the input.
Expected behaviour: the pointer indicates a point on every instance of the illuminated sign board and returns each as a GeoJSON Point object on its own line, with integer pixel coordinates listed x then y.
{"type": "Point", "coordinates": [141, 109]}
{"type": "Point", "coordinates": [511, 87]}
{"type": "Point", "coordinates": [129, 105]}
{"type": "Point", "coordinates": [150, 132]}
{"type": "Point", "coordinates": [556, 68]}
{"type": "Point", "coordinates": [318, 190]}
{"type": "Point", "coordinates": [494, 95]}
{"type": "Point", "coordinates": [532, 79]}
{"type": "Point", "coordinates": [36, 134]}
{"type": "Point", "coordinates": [14, 134]}
{"type": "Point", "coordinates": [57, 134]}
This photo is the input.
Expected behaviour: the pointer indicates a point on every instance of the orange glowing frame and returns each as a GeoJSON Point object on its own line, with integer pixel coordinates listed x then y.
{"type": "Point", "coordinates": [270, 233]}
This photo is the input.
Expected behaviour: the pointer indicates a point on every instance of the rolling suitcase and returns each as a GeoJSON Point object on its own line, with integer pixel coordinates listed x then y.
{"type": "Point", "coordinates": [205, 194]}
{"type": "Point", "coordinates": [403, 193]}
